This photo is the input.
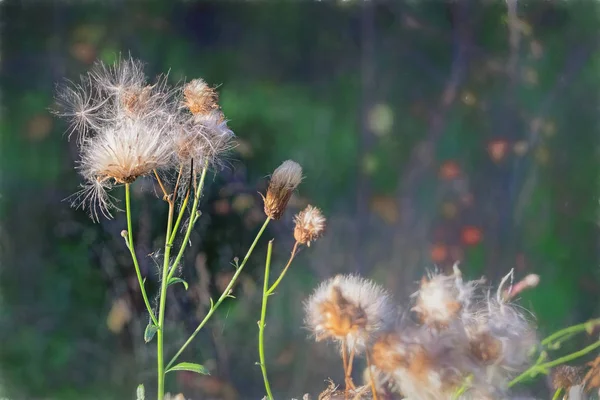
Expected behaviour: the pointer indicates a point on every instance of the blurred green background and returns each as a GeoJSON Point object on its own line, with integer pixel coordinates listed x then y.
{"type": "Point", "coordinates": [429, 132]}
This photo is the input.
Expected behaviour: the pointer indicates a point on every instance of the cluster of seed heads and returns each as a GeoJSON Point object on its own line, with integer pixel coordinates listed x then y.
{"type": "Point", "coordinates": [456, 334]}
{"type": "Point", "coordinates": [128, 128]}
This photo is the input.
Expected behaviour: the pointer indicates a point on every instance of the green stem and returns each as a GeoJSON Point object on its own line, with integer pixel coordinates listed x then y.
{"type": "Point", "coordinates": [531, 372]}
{"type": "Point", "coordinates": [461, 390]}
{"type": "Point", "coordinates": [179, 218]}
{"type": "Point", "coordinates": [226, 293]}
{"type": "Point", "coordinates": [261, 325]}
{"type": "Point", "coordinates": [570, 331]}
{"type": "Point", "coordinates": [132, 251]}
{"type": "Point", "coordinates": [163, 302]}
{"type": "Point", "coordinates": [274, 286]}
{"type": "Point", "coordinates": [193, 217]}
{"type": "Point", "coordinates": [557, 394]}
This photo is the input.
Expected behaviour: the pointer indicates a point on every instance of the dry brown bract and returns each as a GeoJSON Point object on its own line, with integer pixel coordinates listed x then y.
{"type": "Point", "coordinates": [333, 393]}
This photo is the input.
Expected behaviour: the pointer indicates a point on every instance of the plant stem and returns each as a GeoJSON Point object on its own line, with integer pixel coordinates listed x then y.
{"type": "Point", "coordinates": [225, 294]}
{"type": "Point", "coordinates": [274, 286]}
{"type": "Point", "coordinates": [532, 371]}
{"type": "Point", "coordinates": [570, 357]}
{"type": "Point", "coordinates": [261, 325]}
{"type": "Point", "coordinates": [373, 388]}
{"type": "Point", "coordinates": [570, 331]}
{"type": "Point", "coordinates": [557, 394]}
{"type": "Point", "coordinates": [168, 273]}
{"type": "Point", "coordinates": [160, 334]}
{"type": "Point", "coordinates": [180, 216]}
{"type": "Point", "coordinates": [193, 217]}
{"type": "Point", "coordinates": [132, 251]}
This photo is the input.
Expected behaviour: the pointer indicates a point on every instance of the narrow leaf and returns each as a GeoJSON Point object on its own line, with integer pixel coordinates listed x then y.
{"type": "Point", "coordinates": [173, 281]}
{"type": "Point", "coordinates": [150, 332]}
{"type": "Point", "coordinates": [186, 366]}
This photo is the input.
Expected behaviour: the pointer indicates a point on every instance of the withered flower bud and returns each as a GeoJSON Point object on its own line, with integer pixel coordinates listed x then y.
{"type": "Point", "coordinates": [284, 181]}
{"type": "Point", "coordinates": [310, 224]}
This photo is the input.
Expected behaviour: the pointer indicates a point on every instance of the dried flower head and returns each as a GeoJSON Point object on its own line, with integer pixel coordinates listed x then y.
{"type": "Point", "coordinates": [566, 376]}
{"type": "Point", "coordinates": [310, 224]}
{"type": "Point", "coordinates": [350, 310]}
{"type": "Point", "coordinates": [203, 138]}
{"type": "Point", "coordinates": [124, 126]}
{"type": "Point", "coordinates": [284, 181]}
{"type": "Point", "coordinates": [442, 298]}
{"type": "Point", "coordinates": [200, 98]}
{"type": "Point", "coordinates": [433, 372]}
{"type": "Point", "coordinates": [116, 79]}
{"type": "Point", "coordinates": [116, 155]}
{"type": "Point", "coordinates": [501, 340]}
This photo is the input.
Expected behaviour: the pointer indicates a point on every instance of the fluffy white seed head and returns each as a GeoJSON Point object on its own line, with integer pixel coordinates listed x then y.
{"type": "Point", "coordinates": [82, 106]}
{"type": "Point", "coordinates": [117, 155]}
{"type": "Point", "coordinates": [350, 310]}
{"type": "Point", "coordinates": [509, 339]}
{"type": "Point", "coordinates": [309, 225]}
{"type": "Point", "coordinates": [204, 138]}
{"type": "Point", "coordinates": [125, 128]}
{"type": "Point", "coordinates": [120, 77]}
{"type": "Point", "coordinates": [443, 298]}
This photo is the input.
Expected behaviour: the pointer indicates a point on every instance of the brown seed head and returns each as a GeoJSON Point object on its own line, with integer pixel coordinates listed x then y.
{"type": "Point", "coordinates": [310, 224]}
{"type": "Point", "coordinates": [284, 181]}
{"type": "Point", "coordinates": [566, 376]}
{"type": "Point", "coordinates": [350, 310]}
{"type": "Point", "coordinates": [341, 317]}
{"type": "Point", "coordinates": [134, 99]}
{"type": "Point", "coordinates": [199, 98]}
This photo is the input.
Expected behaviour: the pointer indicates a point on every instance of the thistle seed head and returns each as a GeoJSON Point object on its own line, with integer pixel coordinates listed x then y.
{"type": "Point", "coordinates": [566, 376]}
{"type": "Point", "coordinates": [443, 298]}
{"type": "Point", "coordinates": [203, 138]}
{"type": "Point", "coordinates": [349, 310]}
{"type": "Point", "coordinates": [199, 98]}
{"type": "Point", "coordinates": [310, 224]}
{"type": "Point", "coordinates": [284, 181]}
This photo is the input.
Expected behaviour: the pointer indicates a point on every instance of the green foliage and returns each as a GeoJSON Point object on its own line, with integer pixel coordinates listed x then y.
{"type": "Point", "coordinates": [187, 366]}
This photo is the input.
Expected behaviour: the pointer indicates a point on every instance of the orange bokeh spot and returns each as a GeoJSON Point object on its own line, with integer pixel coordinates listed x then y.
{"type": "Point", "coordinates": [449, 170]}
{"type": "Point", "coordinates": [497, 149]}
{"type": "Point", "coordinates": [439, 253]}
{"type": "Point", "coordinates": [471, 235]}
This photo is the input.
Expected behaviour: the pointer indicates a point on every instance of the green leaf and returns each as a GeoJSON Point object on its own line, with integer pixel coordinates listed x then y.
{"type": "Point", "coordinates": [186, 366]}
{"type": "Point", "coordinates": [178, 280]}
{"type": "Point", "coordinates": [150, 332]}
{"type": "Point", "coordinates": [140, 392]}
